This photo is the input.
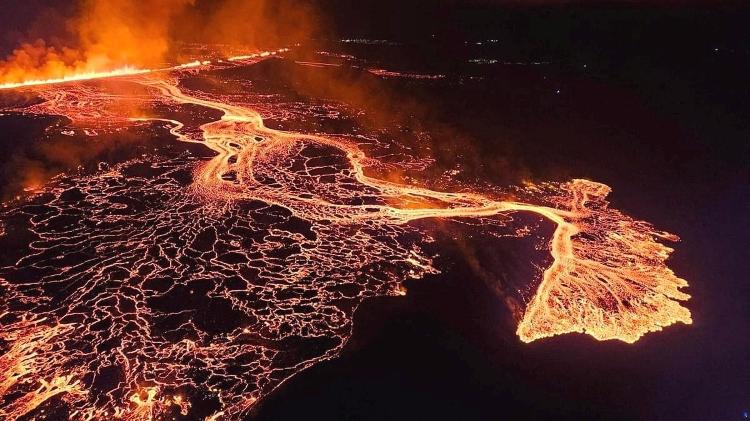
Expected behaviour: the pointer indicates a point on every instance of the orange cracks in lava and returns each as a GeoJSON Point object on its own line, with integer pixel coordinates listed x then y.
{"type": "Point", "coordinates": [276, 226]}
{"type": "Point", "coordinates": [608, 278]}
{"type": "Point", "coordinates": [19, 365]}
{"type": "Point", "coordinates": [146, 405]}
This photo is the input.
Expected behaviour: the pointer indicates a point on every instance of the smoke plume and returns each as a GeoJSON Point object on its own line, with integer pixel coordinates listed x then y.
{"type": "Point", "coordinates": [105, 35]}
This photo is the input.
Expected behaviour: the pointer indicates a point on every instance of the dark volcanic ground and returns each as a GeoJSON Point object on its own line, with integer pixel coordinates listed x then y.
{"type": "Point", "coordinates": [652, 102]}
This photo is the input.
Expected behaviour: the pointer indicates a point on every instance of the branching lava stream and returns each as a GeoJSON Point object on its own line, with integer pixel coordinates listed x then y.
{"type": "Point", "coordinates": [162, 282]}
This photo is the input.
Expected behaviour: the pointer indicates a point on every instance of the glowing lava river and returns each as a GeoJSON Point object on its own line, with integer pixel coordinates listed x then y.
{"type": "Point", "coordinates": [161, 285]}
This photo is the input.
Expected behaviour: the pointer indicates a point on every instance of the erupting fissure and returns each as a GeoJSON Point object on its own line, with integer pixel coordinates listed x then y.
{"type": "Point", "coordinates": [129, 71]}
{"type": "Point", "coordinates": [280, 233]}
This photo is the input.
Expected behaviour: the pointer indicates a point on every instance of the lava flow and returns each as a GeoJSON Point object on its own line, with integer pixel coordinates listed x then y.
{"type": "Point", "coordinates": [175, 286]}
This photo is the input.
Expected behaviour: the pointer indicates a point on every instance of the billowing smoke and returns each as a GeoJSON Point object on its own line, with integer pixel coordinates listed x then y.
{"type": "Point", "coordinates": [105, 35]}
{"type": "Point", "coordinates": [260, 24]}
{"type": "Point", "coordinates": [118, 32]}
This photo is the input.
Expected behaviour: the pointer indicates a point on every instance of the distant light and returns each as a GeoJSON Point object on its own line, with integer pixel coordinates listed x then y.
{"type": "Point", "coordinates": [557, 92]}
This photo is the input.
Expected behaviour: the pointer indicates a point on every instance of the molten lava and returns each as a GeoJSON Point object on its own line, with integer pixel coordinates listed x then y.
{"type": "Point", "coordinates": [282, 234]}
{"type": "Point", "coordinates": [129, 71]}
{"type": "Point", "coordinates": [126, 71]}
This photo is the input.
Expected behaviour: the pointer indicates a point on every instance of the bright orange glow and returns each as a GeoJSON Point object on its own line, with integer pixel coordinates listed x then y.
{"type": "Point", "coordinates": [104, 35]}
{"type": "Point", "coordinates": [613, 285]}
{"type": "Point", "coordinates": [109, 37]}
{"type": "Point", "coordinates": [130, 71]}
{"type": "Point", "coordinates": [330, 224]}
{"type": "Point", "coordinates": [126, 71]}
{"type": "Point", "coordinates": [257, 55]}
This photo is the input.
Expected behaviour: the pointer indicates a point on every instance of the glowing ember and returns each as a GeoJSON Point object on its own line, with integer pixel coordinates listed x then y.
{"type": "Point", "coordinates": [161, 280]}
